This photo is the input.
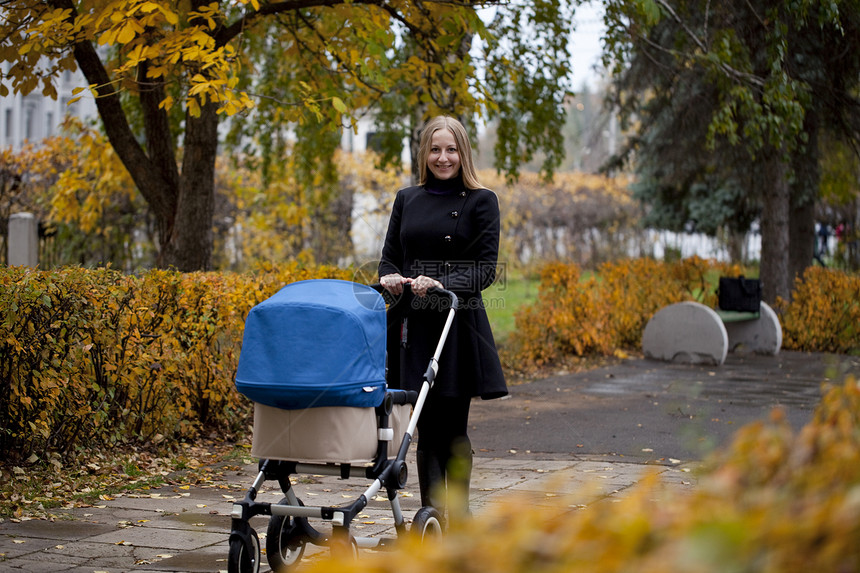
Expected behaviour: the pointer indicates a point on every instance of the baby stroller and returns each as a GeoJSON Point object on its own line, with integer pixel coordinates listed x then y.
{"type": "Point", "coordinates": [313, 361]}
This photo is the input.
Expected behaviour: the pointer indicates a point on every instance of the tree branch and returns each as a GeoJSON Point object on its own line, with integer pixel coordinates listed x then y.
{"type": "Point", "coordinates": [723, 66]}
{"type": "Point", "coordinates": [228, 33]}
{"type": "Point", "coordinates": [154, 188]}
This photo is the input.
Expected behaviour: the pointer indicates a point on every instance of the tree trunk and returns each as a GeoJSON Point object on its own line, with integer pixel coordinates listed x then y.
{"type": "Point", "coordinates": [802, 238]}
{"type": "Point", "coordinates": [804, 191]}
{"type": "Point", "coordinates": [189, 247]}
{"type": "Point", "coordinates": [735, 243]}
{"type": "Point", "coordinates": [774, 231]}
{"type": "Point", "coordinates": [183, 205]}
{"type": "Point", "coordinates": [414, 143]}
{"type": "Point", "coordinates": [159, 191]}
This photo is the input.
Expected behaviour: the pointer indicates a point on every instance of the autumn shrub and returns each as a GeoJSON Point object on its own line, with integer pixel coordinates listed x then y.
{"type": "Point", "coordinates": [773, 501]}
{"type": "Point", "coordinates": [824, 312]}
{"type": "Point", "coordinates": [605, 311]}
{"type": "Point", "coordinates": [94, 358]}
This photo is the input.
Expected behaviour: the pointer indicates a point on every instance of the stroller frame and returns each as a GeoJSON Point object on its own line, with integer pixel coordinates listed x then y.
{"type": "Point", "coordinates": [289, 529]}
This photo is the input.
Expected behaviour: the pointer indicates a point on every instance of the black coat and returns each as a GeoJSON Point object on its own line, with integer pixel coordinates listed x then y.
{"type": "Point", "coordinates": [454, 238]}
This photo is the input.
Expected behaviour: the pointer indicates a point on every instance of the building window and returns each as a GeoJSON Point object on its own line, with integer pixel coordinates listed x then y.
{"type": "Point", "coordinates": [49, 128]}
{"type": "Point", "coordinates": [28, 123]}
{"type": "Point", "coordinates": [8, 123]}
{"type": "Point", "coordinates": [374, 142]}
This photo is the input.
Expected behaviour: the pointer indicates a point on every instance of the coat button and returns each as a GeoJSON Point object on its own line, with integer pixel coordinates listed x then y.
{"type": "Point", "coordinates": [462, 193]}
{"type": "Point", "coordinates": [448, 238]}
{"type": "Point", "coordinates": [454, 214]}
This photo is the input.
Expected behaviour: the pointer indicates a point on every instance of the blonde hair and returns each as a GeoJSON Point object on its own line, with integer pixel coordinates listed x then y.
{"type": "Point", "coordinates": [464, 148]}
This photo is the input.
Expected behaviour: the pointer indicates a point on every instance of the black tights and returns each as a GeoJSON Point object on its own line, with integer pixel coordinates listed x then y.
{"type": "Point", "coordinates": [444, 451]}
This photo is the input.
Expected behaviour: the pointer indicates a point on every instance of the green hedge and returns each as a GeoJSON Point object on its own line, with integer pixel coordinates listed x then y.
{"type": "Point", "coordinates": [94, 358]}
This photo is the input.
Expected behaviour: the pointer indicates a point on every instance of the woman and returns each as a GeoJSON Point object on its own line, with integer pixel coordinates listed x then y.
{"type": "Point", "coordinates": [444, 232]}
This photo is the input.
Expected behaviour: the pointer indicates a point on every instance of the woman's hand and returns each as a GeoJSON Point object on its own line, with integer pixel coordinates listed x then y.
{"type": "Point", "coordinates": [421, 284]}
{"type": "Point", "coordinates": [393, 283]}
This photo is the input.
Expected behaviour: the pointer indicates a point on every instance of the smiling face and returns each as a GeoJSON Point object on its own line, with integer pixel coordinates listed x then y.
{"type": "Point", "coordinates": [444, 157]}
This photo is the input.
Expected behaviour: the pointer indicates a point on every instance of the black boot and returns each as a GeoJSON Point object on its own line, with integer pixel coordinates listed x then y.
{"type": "Point", "coordinates": [459, 479]}
{"type": "Point", "coordinates": [431, 480]}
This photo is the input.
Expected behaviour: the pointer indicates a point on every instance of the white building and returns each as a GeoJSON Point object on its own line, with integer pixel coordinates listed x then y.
{"type": "Point", "coordinates": [33, 117]}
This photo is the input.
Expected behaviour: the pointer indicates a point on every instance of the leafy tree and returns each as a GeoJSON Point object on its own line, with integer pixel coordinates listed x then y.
{"type": "Point", "coordinates": [732, 100]}
{"type": "Point", "coordinates": [164, 73]}
{"type": "Point", "coordinates": [82, 196]}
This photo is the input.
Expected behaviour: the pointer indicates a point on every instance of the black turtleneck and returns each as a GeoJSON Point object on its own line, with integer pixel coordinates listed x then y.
{"type": "Point", "coordinates": [444, 186]}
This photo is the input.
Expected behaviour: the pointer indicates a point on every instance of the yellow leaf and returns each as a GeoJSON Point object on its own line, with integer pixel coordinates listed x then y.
{"type": "Point", "coordinates": [108, 37]}
{"type": "Point", "coordinates": [126, 35]}
{"type": "Point", "coordinates": [338, 105]}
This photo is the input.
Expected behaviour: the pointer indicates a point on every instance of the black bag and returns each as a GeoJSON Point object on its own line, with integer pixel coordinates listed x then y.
{"type": "Point", "coordinates": [739, 294]}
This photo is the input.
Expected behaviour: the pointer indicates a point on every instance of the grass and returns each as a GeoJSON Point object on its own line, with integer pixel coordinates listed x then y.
{"type": "Point", "coordinates": [504, 298]}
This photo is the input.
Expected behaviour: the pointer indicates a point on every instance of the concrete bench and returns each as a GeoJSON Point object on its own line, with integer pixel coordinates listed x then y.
{"type": "Point", "coordinates": [693, 333]}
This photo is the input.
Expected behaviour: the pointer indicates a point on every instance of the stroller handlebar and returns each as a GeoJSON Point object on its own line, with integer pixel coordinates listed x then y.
{"type": "Point", "coordinates": [432, 290]}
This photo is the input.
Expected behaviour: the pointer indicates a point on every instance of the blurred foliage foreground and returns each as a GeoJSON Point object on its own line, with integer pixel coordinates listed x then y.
{"type": "Point", "coordinates": [774, 501]}
{"type": "Point", "coordinates": [97, 359]}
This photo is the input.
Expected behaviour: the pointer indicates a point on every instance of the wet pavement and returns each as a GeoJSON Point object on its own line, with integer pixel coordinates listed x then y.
{"type": "Point", "coordinates": [576, 439]}
{"type": "Point", "coordinates": [644, 410]}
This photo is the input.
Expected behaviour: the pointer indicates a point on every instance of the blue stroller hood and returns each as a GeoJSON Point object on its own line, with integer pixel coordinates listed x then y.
{"type": "Point", "coordinates": [315, 343]}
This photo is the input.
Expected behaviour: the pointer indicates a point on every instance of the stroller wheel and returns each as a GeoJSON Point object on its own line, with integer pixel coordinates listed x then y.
{"type": "Point", "coordinates": [244, 557]}
{"type": "Point", "coordinates": [427, 523]}
{"type": "Point", "coordinates": [344, 547]}
{"type": "Point", "coordinates": [285, 542]}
